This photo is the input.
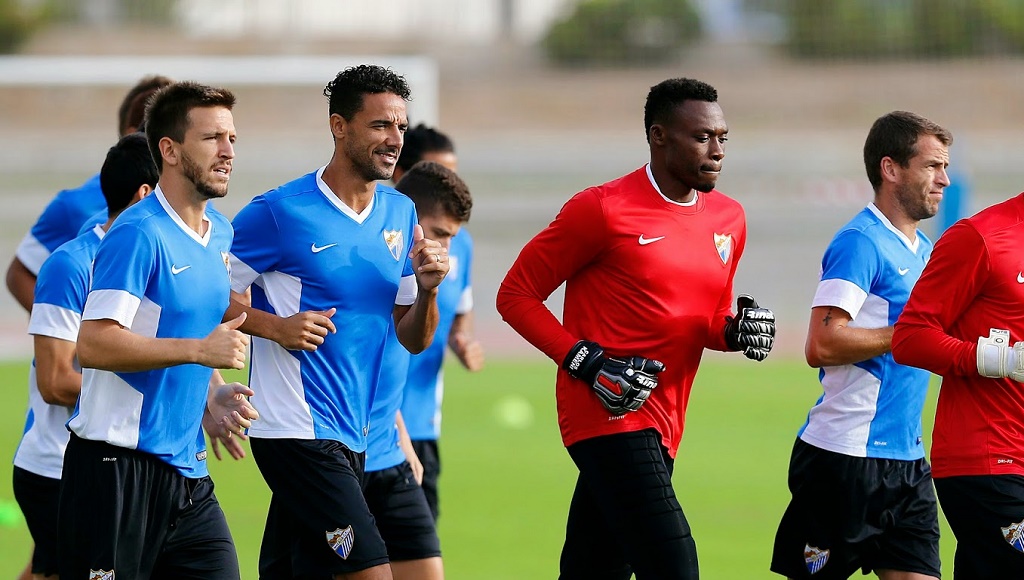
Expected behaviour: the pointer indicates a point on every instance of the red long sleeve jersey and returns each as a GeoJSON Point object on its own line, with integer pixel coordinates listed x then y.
{"type": "Point", "coordinates": [973, 282]}
{"type": "Point", "coordinates": [643, 276]}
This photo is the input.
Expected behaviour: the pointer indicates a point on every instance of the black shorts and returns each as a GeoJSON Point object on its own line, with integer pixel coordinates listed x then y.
{"type": "Point", "coordinates": [129, 513]}
{"type": "Point", "coordinates": [426, 450]}
{"type": "Point", "coordinates": [850, 513]}
{"type": "Point", "coordinates": [37, 496]}
{"type": "Point", "coordinates": [401, 512]}
{"type": "Point", "coordinates": [624, 516]}
{"type": "Point", "coordinates": [986, 514]}
{"type": "Point", "coordinates": [318, 523]}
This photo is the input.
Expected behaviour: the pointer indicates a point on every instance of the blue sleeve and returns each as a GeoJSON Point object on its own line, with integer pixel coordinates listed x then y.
{"type": "Point", "coordinates": [467, 245]}
{"type": "Point", "coordinates": [126, 261]}
{"type": "Point", "coordinates": [63, 281]}
{"type": "Point", "coordinates": [257, 236]}
{"type": "Point", "coordinates": [54, 226]}
{"type": "Point", "coordinates": [853, 257]}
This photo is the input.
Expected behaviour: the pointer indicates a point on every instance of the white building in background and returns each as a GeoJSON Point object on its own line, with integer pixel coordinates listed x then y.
{"type": "Point", "coordinates": [458, 21]}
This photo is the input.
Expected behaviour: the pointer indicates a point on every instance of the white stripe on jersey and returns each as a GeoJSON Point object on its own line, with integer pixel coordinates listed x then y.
{"type": "Point", "coordinates": [32, 253]}
{"type": "Point", "coordinates": [113, 407]}
{"type": "Point", "coordinates": [116, 305]}
{"type": "Point", "coordinates": [285, 404]}
{"type": "Point", "coordinates": [841, 423]}
{"type": "Point", "coordinates": [841, 294]}
{"type": "Point", "coordinates": [54, 321]}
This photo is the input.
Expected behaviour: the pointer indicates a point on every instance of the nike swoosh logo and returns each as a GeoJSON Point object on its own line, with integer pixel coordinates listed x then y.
{"type": "Point", "coordinates": [1020, 278]}
{"type": "Point", "coordinates": [903, 271]}
{"type": "Point", "coordinates": [175, 270]}
{"type": "Point", "coordinates": [644, 241]}
{"type": "Point", "coordinates": [317, 249]}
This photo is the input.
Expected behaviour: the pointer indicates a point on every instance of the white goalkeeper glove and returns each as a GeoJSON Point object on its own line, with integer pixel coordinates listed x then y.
{"type": "Point", "coordinates": [997, 359]}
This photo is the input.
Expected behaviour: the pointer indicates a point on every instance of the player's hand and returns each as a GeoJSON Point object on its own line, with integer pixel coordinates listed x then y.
{"type": "Point", "coordinates": [228, 414]}
{"type": "Point", "coordinates": [752, 330]}
{"type": "Point", "coordinates": [429, 260]}
{"type": "Point", "coordinates": [225, 347]}
{"type": "Point", "coordinates": [469, 351]}
{"type": "Point", "coordinates": [622, 385]}
{"type": "Point", "coordinates": [305, 330]}
{"type": "Point", "coordinates": [997, 359]}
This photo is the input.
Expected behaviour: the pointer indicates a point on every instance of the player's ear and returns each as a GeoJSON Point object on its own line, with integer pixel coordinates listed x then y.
{"type": "Point", "coordinates": [142, 192]}
{"type": "Point", "coordinates": [656, 136]}
{"type": "Point", "coordinates": [337, 123]}
{"type": "Point", "coordinates": [168, 150]}
{"type": "Point", "coordinates": [888, 169]}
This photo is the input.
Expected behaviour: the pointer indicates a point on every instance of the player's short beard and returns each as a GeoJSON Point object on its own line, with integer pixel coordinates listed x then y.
{"type": "Point", "coordinates": [916, 207]}
{"type": "Point", "coordinates": [363, 164]}
{"type": "Point", "coordinates": [194, 173]}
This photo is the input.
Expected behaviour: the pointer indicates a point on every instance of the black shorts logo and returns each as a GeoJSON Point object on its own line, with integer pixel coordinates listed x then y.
{"type": "Point", "coordinates": [101, 575]}
{"type": "Point", "coordinates": [815, 558]}
{"type": "Point", "coordinates": [341, 541]}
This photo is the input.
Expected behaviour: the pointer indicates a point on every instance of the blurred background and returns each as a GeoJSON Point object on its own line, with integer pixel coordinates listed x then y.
{"type": "Point", "coordinates": [542, 98]}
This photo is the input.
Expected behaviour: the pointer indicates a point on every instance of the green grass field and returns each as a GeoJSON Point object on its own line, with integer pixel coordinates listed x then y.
{"type": "Point", "coordinates": [507, 479]}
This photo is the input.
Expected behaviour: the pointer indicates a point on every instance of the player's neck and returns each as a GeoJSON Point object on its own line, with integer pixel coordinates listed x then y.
{"type": "Point", "coordinates": [186, 202]}
{"type": "Point", "coordinates": [349, 187]}
{"type": "Point", "coordinates": [897, 217]}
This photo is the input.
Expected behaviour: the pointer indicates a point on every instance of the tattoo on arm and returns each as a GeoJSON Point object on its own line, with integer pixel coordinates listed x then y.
{"type": "Point", "coordinates": [828, 317]}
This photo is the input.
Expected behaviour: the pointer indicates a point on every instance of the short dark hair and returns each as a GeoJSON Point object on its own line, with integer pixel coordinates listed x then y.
{"type": "Point", "coordinates": [129, 165]}
{"type": "Point", "coordinates": [421, 140]}
{"type": "Point", "coordinates": [665, 96]}
{"type": "Point", "coordinates": [434, 189]}
{"type": "Point", "coordinates": [167, 113]}
{"type": "Point", "coordinates": [133, 105]}
{"type": "Point", "coordinates": [345, 92]}
{"type": "Point", "coordinates": [895, 135]}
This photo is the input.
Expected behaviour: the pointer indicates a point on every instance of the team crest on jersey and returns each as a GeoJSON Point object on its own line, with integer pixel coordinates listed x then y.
{"type": "Point", "coordinates": [1014, 534]}
{"type": "Point", "coordinates": [341, 541]}
{"type": "Point", "coordinates": [101, 575]}
{"type": "Point", "coordinates": [723, 243]}
{"type": "Point", "coordinates": [393, 239]}
{"type": "Point", "coordinates": [227, 261]}
{"type": "Point", "coordinates": [815, 558]}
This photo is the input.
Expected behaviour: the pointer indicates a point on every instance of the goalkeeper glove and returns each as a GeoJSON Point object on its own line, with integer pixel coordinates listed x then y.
{"type": "Point", "coordinates": [997, 359]}
{"type": "Point", "coordinates": [752, 330]}
{"type": "Point", "coordinates": [621, 385]}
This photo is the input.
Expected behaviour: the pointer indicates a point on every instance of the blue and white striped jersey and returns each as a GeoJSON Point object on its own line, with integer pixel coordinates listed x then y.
{"type": "Point", "coordinates": [301, 248]}
{"type": "Point", "coordinates": [61, 222]}
{"type": "Point", "coordinates": [157, 277]}
{"type": "Point", "coordinates": [61, 289]}
{"type": "Point", "coordinates": [871, 408]}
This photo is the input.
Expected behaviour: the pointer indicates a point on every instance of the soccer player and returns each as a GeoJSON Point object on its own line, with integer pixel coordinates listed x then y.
{"type": "Point", "coordinates": [68, 213]}
{"type": "Point", "coordinates": [331, 244]}
{"type": "Point", "coordinates": [136, 498]}
{"type": "Point", "coordinates": [648, 262]}
{"type": "Point", "coordinates": [421, 399]}
{"type": "Point", "coordinates": [964, 321]}
{"type": "Point", "coordinates": [862, 490]}
{"type": "Point", "coordinates": [393, 480]}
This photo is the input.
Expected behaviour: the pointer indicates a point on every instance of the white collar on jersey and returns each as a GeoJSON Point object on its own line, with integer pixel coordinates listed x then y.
{"type": "Point", "coordinates": [98, 230]}
{"type": "Point", "coordinates": [204, 239]}
{"type": "Point", "coordinates": [911, 245]}
{"type": "Point", "coordinates": [334, 199]}
{"type": "Point", "coordinates": [650, 176]}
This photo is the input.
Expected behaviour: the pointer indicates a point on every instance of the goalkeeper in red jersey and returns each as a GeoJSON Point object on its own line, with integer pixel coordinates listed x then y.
{"type": "Point", "coordinates": [648, 261]}
{"type": "Point", "coordinates": [964, 322]}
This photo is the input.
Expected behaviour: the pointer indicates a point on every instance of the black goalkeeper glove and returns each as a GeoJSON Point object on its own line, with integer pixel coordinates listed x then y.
{"type": "Point", "coordinates": [752, 330]}
{"type": "Point", "coordinates": [621, 385]}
